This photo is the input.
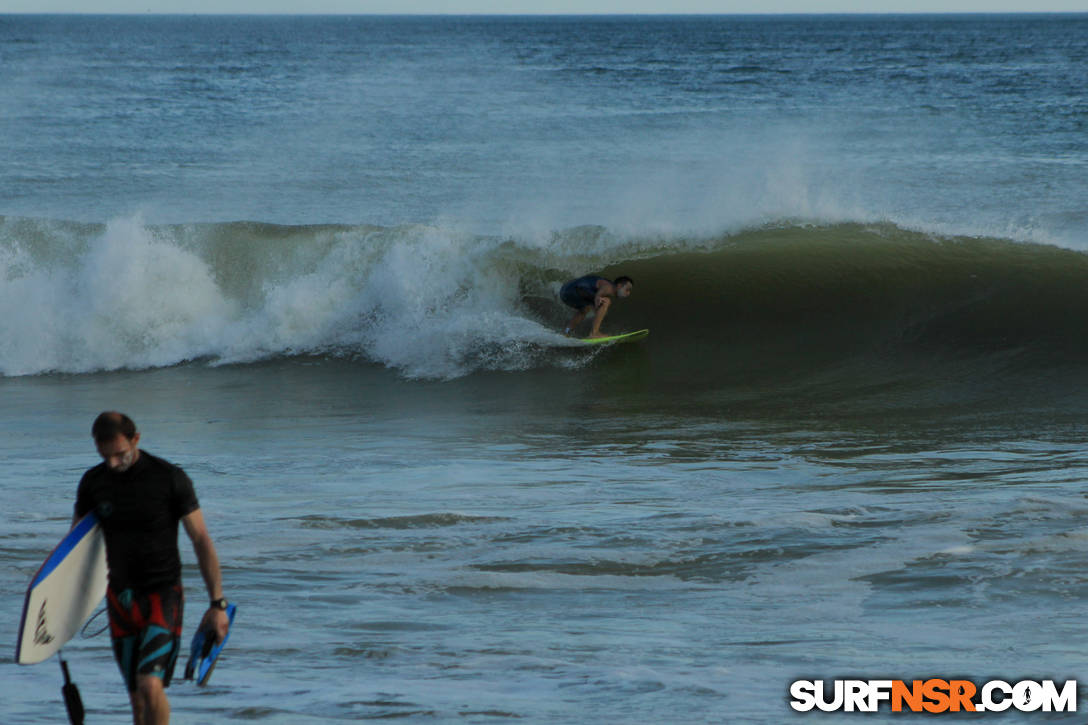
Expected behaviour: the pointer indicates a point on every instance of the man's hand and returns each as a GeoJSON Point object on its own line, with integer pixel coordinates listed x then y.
{"type": "Point", "coordinates": [217, 622]}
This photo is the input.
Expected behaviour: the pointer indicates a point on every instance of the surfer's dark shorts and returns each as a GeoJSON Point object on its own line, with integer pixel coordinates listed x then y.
{"type": "Point", "coordinates": [146, 632]}
{"type": "Point", "coordinates": [572, 296]}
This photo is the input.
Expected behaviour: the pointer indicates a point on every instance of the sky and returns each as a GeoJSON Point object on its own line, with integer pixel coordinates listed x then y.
{"type": "Point", "coordinates": [535, 6]}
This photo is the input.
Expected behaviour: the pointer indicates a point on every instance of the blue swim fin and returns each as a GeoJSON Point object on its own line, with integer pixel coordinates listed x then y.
{"type": "Point", "coordinates": [204, 650]}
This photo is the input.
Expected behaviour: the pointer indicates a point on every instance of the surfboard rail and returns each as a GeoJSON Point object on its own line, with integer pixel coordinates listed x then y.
{"type": "Point", "coordinates": [611, 339]}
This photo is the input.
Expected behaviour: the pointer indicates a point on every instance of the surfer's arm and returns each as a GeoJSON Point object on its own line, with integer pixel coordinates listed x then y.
{"type": "Point", "coordinates": [605, 291]}
{"type": "Point", "coordinates": [603, 304]}
{"type": "Point", "coordinates": [77, 517]}
{"type": "Point", "coordinates": [83, 504]}
{"type": "Point", "coordinates": [214, 619]}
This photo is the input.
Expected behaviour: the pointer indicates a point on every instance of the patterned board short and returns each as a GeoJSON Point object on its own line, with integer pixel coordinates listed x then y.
{"type": "Point", "coordinates": [146, 632]}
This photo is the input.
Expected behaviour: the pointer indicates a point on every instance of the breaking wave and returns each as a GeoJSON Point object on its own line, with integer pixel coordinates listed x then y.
{"type": "Point", "coordinates": [439, 303]}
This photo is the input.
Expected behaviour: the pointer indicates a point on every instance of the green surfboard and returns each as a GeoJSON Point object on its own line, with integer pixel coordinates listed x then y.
{"type": "Point", "coordinates": [625, 337]}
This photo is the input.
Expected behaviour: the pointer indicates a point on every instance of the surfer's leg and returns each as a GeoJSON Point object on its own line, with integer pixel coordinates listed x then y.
{"type": "Point", "coordinates": [149, 703]}
{"type": "Point", "coordinates": [576, 320]}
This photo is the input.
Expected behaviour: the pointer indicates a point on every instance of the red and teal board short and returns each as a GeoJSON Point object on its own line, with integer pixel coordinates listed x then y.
{"type": "Point", "coordinates": [146, 632]}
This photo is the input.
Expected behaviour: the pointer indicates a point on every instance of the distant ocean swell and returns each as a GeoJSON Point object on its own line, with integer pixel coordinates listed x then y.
{"type": "Point", "coordinates": [437, 303]}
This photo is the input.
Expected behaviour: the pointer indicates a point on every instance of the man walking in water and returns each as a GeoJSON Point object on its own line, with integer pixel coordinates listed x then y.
{"type": "Point", "coordinates": [592, 292]}
{"type": "Point", "coordinates": [139, 500]}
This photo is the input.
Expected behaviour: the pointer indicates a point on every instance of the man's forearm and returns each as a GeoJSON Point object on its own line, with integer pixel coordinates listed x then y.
{"type": "Point", "coordinates": [209, 567]}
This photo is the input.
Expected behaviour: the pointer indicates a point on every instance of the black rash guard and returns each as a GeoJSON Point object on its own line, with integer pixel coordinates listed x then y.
{"type": "Point", "coordinates": [139, 512]}
{"type": "Point", "coordinates": [581, 292]}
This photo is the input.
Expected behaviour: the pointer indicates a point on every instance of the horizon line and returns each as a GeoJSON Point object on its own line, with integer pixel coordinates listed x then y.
{"type": "Point", "coordinates": [536, 14]}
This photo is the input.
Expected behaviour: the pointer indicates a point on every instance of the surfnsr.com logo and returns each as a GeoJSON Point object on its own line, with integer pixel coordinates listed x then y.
{"type": "Point", "coordinates": [933, 696]}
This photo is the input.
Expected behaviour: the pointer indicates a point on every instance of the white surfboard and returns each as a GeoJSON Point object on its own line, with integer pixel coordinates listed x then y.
{"type": "Point", "coordinates": [64, 592]}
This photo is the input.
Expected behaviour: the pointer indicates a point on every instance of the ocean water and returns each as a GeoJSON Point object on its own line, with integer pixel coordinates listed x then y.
{"type": "Point", "coordinates": [317, 260]}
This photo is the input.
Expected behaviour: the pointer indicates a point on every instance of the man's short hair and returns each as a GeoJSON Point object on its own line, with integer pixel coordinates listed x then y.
{"type": "Point", "coordinates": [624, 279]}
{"type": "Point", "coordinates": [111, 424]}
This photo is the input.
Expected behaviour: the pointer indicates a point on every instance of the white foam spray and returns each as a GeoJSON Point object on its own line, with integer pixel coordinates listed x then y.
{"type": "Point", "coordinates": [429, 302]}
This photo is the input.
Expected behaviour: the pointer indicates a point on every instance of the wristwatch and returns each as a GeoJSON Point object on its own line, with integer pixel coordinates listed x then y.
{"type": "Point", "coordinates": [220, 603]}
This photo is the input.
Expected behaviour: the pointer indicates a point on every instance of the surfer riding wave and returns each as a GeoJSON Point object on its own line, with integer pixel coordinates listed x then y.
{"type": "Point", "coordinates": [592, 292]}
